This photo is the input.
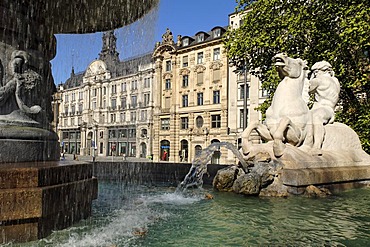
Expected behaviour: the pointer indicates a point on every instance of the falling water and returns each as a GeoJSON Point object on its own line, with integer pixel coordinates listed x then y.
{"type": "Point", "coordinates": [199, 165]}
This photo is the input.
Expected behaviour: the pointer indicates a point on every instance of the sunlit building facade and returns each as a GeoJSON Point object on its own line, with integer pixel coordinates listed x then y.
{"type": "Point", "coordinates": [191, 96]}
{"type": "Point", "coordinates": [168, 105]}
{"type": "Point", "coordinates": [107, 109]}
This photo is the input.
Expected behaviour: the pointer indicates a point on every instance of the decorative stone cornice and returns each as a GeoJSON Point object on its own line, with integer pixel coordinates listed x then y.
{"type": "Point", "coordinates": [199, 68]}
{"type": "Point", "coordinates": [215, 65]}
{"type": "Point", "coordinates": [167, 75]}
{"type": "Point", "coordinates": [185, 71]}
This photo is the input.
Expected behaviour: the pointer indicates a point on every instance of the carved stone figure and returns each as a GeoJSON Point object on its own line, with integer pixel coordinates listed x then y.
{"type": "Point", "coordinates": [288, 115]}
{"type": "Point", "coordinates": [24, 80]}
{"type": "Point", "coordinates": [167, 37]}
{"type": "Point", "coordinates": [326, 88]}
{"type": "Point", "coordinates": [298, 135]}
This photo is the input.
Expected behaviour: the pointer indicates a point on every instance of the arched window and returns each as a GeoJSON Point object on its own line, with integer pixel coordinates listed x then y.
{"type": "Point", "coordinates": [165, 150]}
{"type": "Point", "coordinates": [142, 150]}
{"type": "Point", "coordinates": [198, 150]}
{"type": "Point", "coordinates": [184, 150]}
{"type": "Point", "coordinates": [216, 154]}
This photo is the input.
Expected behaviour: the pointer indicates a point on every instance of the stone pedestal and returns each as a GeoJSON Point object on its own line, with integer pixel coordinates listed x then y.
{"type": "Point", "coordinates": [334, 178]}
{"type": "Point", "coordinates": [37, 198]}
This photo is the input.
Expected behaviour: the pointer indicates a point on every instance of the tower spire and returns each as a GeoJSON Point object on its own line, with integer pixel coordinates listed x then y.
{"type": "Point", "coordinates": [109, 50]}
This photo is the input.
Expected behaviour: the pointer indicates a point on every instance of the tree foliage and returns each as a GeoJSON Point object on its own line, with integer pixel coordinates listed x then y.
{"type": "Point", "coordinates": [337, 31]}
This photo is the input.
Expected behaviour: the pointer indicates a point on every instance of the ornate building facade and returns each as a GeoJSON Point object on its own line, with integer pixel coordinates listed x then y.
{"type": "Point", "coordinates": [168, 105]}
{"type": "Point", "coordinates": [107, 110]}
{"type": "Point", "coordinates": [191, 109]}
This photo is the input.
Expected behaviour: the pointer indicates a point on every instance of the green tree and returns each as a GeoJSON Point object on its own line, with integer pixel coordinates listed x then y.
{"type": "Point", "coordinates": [337, 31]}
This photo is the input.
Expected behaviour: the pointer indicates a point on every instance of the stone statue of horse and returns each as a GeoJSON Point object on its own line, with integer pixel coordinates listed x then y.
{"type": "Point", "coordinates": [288, 115]}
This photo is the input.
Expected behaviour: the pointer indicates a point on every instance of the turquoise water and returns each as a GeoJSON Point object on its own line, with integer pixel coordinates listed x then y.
{"type": "Point", "coordinates": [148, 216]}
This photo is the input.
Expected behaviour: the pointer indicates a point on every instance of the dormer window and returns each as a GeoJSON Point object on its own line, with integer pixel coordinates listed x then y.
{"type": "Point", "coordinates": [216, 33]}
{"type": "Point", "coordinates": [185, 42]}
{"type": "Point", "coordinates": [200, 37]}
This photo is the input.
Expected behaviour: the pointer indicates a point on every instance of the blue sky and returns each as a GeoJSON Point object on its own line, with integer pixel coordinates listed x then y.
{"type": "Point", "coordinates": [185, 17]}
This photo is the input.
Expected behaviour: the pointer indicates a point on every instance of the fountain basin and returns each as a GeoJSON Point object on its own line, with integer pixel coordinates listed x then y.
{"type": "Point", "coordinates": [37, 198]}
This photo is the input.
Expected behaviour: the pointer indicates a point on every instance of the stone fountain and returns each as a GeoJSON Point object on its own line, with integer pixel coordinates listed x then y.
{"type": "Point", "coordinates": [303, 150]}
{"type": "Point", "coordinates": [38, 193]}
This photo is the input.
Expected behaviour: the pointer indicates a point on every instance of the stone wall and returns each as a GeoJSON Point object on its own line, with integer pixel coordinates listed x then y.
{"type": "Point", "coordinates": [149, 173]}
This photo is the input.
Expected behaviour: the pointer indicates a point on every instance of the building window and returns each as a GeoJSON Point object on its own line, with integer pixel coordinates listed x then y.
{"type": "Point", "coordinates": [133, 116]}
{"type": "Point", "coordinates": [73, 96]}
{"type": "Point", "coordinates": [73, 109]}
{"type": "Point", "coordinates": [216, 97]}
{"type": "Point", "coordinates": [167, 85]}
{"type": "Point", "coordinates": [146, 99]}
{"type": "Point", "coordinates": [143, 115]}
{"type": "Point", "coordinates": [104, 90]}
{"type": "Point", "coordinates": [165, 123]}
{"type": "Point", "coordinates": [94, 105]}
{"type": "Point", "coordinates": [198, 150]}
{"type": "Point", "coordinates": [265, 92]}
{"type": "Point", "coordinates": [200, 78]}
{"type": "Point", "coordinates": [199, 122]}
{"type": "Point", "coordinates": [123, 102]}
{"type": "Point", "coordinates": [114, 104]}
{"type": "Point", "coordinates": [216, 54]}
{"type": "Point", "coordinates": [134, 85]}
{"type": "Point", "coordinates": [200, 37]}
{"type": "Point", "coordinates": [216, 33]}
{"type": "Point", "coordinates": [200, 58]}
{"type": "Point", "coordinates": [132, 133]}
{"type": "Point", "coordinates": [112, 133]}
{"type": "Point", "coordinates": [185, 101]}
{"type": "Point", "coordinates": [200, 98]}
{"type": "Point", "coordinates": [113, 118]}
{"type": "Point", "coordinates": [216, 75]}
{"type": "Point", "coordinates": [114, 89]}
{"type": "Point", "coordinates": [184, 123]}
{"type": "Point", "coordinates": [80, 108]}
{"type": "Point", "coordinates": [216, 121]}
{"type": "Point", "coordinates": [94, 92]}
{"type": "Point", "coordinates": [123, 87]}
{"type": "Point", "coordinates": [66, 110]}
{"type": "Point", "coordinates": [146, 82]}
{"type": "Point", "coordinates": [80, 95]}
{"type": "Point", "coordinates": [66, 98]}
{"type": "Point", "coordinates": [242, 91]}
{"type": "Point", "coordinates": [185, 80]}
{"type": "Point", "coordinates": [122, 117]}
{"type": "Point", "coordinates": [133, 101]}
{"type": "Point", "coordinates": [185, 42]}
{"type": "Point", "coordinates": [241, 123]}
{"type": "Point", "coordinates": [168, 66]}
{"type": "Point", "coordinates": [185, 62]}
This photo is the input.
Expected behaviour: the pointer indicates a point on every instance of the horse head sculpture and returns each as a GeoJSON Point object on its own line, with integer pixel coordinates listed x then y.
{"type": "Point", "coordinates": [288, 115]}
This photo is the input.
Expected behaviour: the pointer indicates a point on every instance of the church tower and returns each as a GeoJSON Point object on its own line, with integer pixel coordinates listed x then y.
{"type": "Point", "coordinates": [109, 52]}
